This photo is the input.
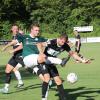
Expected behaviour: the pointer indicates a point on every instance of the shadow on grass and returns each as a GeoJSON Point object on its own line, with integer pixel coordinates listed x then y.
{"type": "Point", "coordinates": [73, 94]}
{"type": "Point", "coordinates": [27, 88]}
{"type": "Point", "coordinates": [24, 73]}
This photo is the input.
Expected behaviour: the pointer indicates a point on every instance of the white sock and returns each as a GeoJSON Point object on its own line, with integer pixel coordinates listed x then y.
{"type": "Point", "coordinates": [6, 86]}
{"type": "Point", "coordinates": [52, 60]}
{"type": "Point", "coordinates": [46, 96]}
{"type": "Point", "coordinates": [35, 69]}
{"type": "Point", "coordinates": [44, 99]}
{"type": "Point", "coordinates": [18, 76]}
{"type": "Point", "coordinates": [50, 82]}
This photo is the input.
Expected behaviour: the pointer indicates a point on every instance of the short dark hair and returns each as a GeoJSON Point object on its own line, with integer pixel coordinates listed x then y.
{"type": "Point", "coordinates": [14, 25]}
{"type": "Point", "coordinates": [64, 35]}
{"type": "Point", "coordinates": [34, 25]}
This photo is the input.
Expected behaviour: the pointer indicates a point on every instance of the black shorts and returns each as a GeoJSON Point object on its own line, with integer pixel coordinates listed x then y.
{"type": "Point", "coordinates": [14, 60]}
{"type": "Point", "coordinates": [43, 69]}
{"type": "Point", "coordinates": [52, 71]}
{"type": "Point", "coordinates": [19, 59]}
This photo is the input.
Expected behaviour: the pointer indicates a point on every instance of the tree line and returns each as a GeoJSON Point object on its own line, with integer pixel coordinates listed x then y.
{"type": "Point", "coordinates": [54, 16]}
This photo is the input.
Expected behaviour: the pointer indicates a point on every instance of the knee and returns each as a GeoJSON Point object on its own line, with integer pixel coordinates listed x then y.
{"type": "Point", "coordinates": [14, 69]}
{"type": "Point", "coordinates": [58, 81]}
{"type": "Point", "coordinates": [41, 58]}
{"type": "Point", "coordinates": [46, 78]}
{"type": "Point", "coordinates": [9, 68]}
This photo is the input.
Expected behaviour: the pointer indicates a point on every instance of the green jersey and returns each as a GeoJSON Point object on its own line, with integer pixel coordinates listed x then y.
{"type": "Point", "coordinates": [29, 44]}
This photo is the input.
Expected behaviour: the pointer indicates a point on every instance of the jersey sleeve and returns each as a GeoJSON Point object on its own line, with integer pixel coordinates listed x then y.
{"type": "Point", "coordinates": [20, 37]}
{"type": "Point", "coordinates": [52, 41]}
{"type": "Point", "coordinates": [66, 47]}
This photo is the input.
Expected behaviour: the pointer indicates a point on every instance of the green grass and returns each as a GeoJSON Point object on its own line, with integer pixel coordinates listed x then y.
{"type": "Point", "coordinates": [87, 87]}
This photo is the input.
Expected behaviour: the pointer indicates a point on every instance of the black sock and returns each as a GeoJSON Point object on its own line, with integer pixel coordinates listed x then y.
{"type": "Point", "coordinates": [61, 92]}
{"type": "Point", "coordinates": [8, 78]}
{"type": "Point", "coordinates": [44, 89]}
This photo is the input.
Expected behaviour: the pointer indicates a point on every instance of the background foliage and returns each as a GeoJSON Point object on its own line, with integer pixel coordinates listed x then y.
{"type": "Point", "coordinates": [54, 16]}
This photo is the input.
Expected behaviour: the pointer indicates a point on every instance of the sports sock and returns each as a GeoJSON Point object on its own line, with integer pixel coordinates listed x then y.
{"type": "Point", "coordinates": [61, 92]}
{"type": "Point", "coordinates": [6, 85]}
{"type": "Point", "coordinates": [52, 60]}
{"type": "Point", "coordinates": [18, 76]}
{"type": "Point", "coordinates": [44, 89]}
{"type": "Point", "coordinates": [8, 78]}
{"type": "Point", "coordinates": [47, 91]}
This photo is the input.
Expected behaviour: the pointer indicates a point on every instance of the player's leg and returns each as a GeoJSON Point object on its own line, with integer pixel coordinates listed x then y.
{"type": "Point", "coordinates": [18, 76]}
{"type": "Point", "coordinates": [58, 82]}
{"type": "Point", "coordinates": [33, 60]}
{"type": "Point", "coordinates": [7, 78]}
{"type": "Point", "coordinates": [20, 64]}
{"type": "Point", "coordinates": [45, 86]}
{"type": "Point", "coordinates": [9, 68]}
{"type": "Point", "coordinates": [51, 60]}
{"type": "Point", "coordinates": [54, 60]}
{"type": "Point", "coordinates": [60, 87]}
{"type": "Point", "coordinates": [43, 74]}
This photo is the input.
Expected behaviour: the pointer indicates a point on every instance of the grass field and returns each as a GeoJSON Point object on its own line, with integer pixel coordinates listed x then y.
{"type": "Point", "coordinates": [87, 87]}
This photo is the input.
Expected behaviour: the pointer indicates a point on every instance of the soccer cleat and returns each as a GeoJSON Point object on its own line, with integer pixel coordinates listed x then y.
{"type": "Point", "coordinates": [19, 85]}
{"type": "Point", "coordinates": [4, 90]}
{"type": "Point", "coordinates": [44, 98]}
{"type": "Point", "coordinates": [64, 61]}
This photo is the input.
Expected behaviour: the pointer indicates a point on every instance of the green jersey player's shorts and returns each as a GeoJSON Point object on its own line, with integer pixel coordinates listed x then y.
{"type": "Point", "coordinates": [31, 60]}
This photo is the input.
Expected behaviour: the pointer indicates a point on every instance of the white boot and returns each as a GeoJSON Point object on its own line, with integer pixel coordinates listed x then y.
{"type": "Point", "coordinates": [4, 90]}
{"type": "Point", "coordinates": [44, 98]}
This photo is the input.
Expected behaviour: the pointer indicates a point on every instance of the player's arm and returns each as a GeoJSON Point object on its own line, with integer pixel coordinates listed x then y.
{"type": "Point", "coordinates": [40, 47]}
{"type": "Point", "coordinates": [70, 44]}
{"type": "Point", "coordinates": [9, 44]}
{"type": "Point", "coordinates": [20, 47]}
{"type": "Point", "coordinates": [76, 57]}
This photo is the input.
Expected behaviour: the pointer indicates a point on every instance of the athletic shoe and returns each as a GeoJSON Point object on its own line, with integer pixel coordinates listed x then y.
{"type": "Point", "coordinates": [64, 61]}
{"type": "Point", "coordinates": [4, 90]}
{"type": "Point", "coordinates": [19, 85]}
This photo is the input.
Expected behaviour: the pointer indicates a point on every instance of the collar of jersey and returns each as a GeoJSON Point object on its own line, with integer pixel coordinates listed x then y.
{"type": "Point", "coordinates": [31, 36]}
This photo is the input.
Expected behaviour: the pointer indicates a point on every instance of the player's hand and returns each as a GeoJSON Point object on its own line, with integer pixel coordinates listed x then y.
{"type": "Point", "coordinates": [86, 61]}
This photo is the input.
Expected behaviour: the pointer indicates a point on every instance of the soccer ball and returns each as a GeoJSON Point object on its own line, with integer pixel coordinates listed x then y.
{"type": "Point", "coordinates": [72, 77]}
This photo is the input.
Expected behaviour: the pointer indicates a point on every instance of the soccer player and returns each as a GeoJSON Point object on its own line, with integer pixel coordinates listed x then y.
{"type": "Point", "coordinates": [12, 63]}
{"type": "Point", "coordinates": [32, 55]}
{"type": "Point", "coordinates": [77, 43]}
{"type": "Point", "coordinates": [53, 49]}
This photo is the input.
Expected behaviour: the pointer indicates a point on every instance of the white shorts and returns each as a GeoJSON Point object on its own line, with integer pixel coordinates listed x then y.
{"type": "Point", "coordinates": [31, 60]}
